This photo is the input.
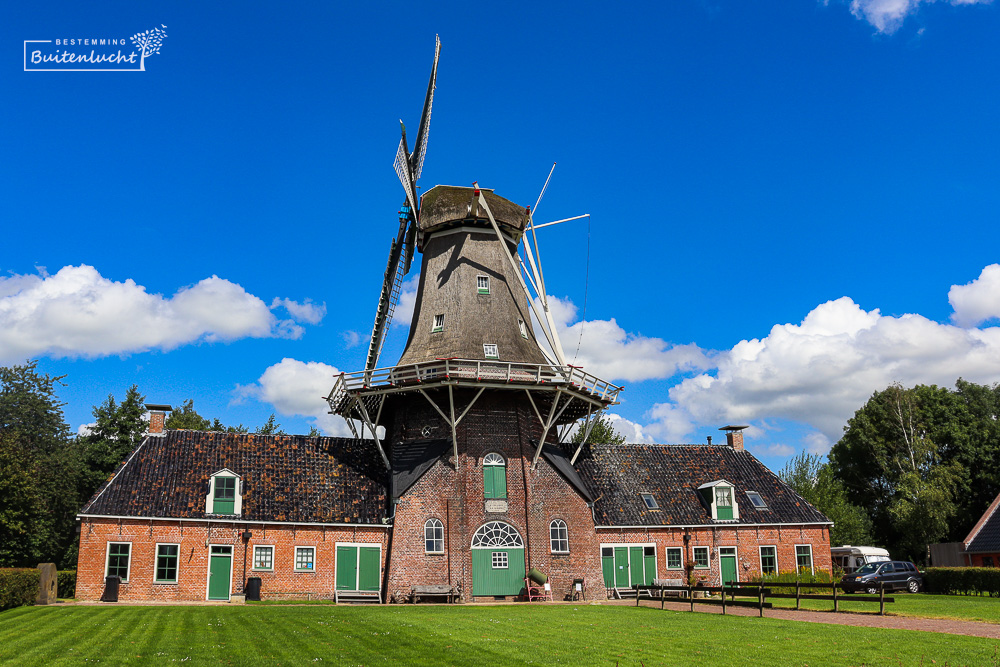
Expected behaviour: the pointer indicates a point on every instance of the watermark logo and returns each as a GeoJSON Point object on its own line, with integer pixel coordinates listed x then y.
{"type": "Point", "coordinates": [90, 54]}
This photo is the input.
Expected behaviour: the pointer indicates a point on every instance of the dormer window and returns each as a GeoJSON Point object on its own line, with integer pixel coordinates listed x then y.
{"type": "Point", "coordinates": [438, 323]}
{"type": "Point", "coordinates": [757, 501]}
{"type": "Point", "coordinates": [650, 501]}
{"type": "Point", "coordinates": [523, 328]}
{"type": "Point", "coordinates": [490, 351]}
{"type": "Point", "coordinates": [483, 284]}
{"type": "Point", "coordinates": [224, 495]}
{"type": "Point", "coordinates": [718, 495]}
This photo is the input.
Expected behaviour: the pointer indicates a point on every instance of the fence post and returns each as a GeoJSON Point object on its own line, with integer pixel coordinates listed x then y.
{"type": "Point", "coordinates": [881, 599]}
{"type": "Point", "coordinates": [760, 599]}
{"type": "Point", "coordinates": [835, 597]}
{"type": "Point", "coordinates": [636, 587]}
{"type": "Point", "coordinates": [662, 598]}
{"type": "Point", "coordinates": [691, 595]}
{"type": "Point", "coordinates": [723, 599]}
{"type": "Point", "coordinates": [797, 594]}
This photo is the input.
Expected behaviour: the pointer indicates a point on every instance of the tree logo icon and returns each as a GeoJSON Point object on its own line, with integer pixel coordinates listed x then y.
{"type": "Point", "coordinates": [148, 43]}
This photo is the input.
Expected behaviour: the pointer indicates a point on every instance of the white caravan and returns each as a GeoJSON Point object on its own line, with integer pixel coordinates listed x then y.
{"type": "Point", "coordinates": [849, 558]}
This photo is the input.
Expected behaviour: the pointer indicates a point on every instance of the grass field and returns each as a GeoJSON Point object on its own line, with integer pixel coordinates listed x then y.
{"type": "Point", "coordinates": [458, 635]}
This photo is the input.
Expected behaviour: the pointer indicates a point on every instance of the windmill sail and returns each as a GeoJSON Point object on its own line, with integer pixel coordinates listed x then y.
{"type": "Point", "coordinates": [402, 166]}
{"type": "Point", "coordinates": [420, 147]}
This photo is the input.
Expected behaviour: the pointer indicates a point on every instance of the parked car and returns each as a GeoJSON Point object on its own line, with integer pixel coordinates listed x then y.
{"type": "Point", "coordinates": [895, 574]}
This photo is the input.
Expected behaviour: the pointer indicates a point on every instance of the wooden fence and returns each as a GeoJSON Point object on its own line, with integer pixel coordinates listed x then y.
{"type": "Point", "coordinates": [759, 593]}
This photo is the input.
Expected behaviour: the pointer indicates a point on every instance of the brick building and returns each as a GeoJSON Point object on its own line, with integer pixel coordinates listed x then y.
{"type": "Point", "coordinates": [461, 474]}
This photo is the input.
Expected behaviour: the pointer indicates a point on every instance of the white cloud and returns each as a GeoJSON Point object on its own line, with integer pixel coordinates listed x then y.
{"type": "Point", "coordinates": [351, 339]}
{"type": "Point", "coordinates": [977, 301]}
{"type": "Point", "coordinates": [817, 443]}
{"type": "Point", "coordinates": [775, 449]}
{"type": "Point", "coordinates": [78, 312]}
{"type": "Point", "coordinates": [407, 302]}
{"type": "Point", "coordinates": [606, 350]}
{"type": "Point", "coordinates": [888, 15]}
{"type": "Point", "coordinates": [299, 388]}
{"type": "Point", "coordinates": [820, 371]}
{"type": "Point", "coordinates": [307, 311]}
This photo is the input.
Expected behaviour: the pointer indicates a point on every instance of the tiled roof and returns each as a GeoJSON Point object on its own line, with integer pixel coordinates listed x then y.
{"type": "Point", "coordinates": [985, 535]}
{"type": "Point", "coordinates": [285, 478]}
{"type": "Point", "coordinates": [617, 474]}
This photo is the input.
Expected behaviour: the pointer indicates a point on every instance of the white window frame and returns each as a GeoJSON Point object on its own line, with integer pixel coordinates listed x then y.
{"type": "Point", "coordinates": [760, 553]}
{"type": "Point", "coordinates": [628, 546]}
{"type": "Point", "coordinates": [564, 527]}
{"type": "Point", "coordinates": [438, 323]}
{"type": "Point", "coordinates": [295, 559]}
{"type": "Point", "coordinates": [156, 563]}
{"type": "Point", "coordinates": [708, 558]}
{"type": "Point", "coordinates": [523, 328]}
{"type": "Point", "coordinates": [107, 560]}
{"type": "Point", "coordinates": [263, 569]}
{"type": "Point", "coordinates": [435, 524]}
{"type": "Point", "coordinates": [812, 562]}
{"type": "Point", "coordinates": [500, 557]}
{"type": "Point", "coordinates": [753, 494]}
{"type": "Point", "coordinates": [666, 558]}
{"type": "Point", "coordinates": [482, 284]}
{"type": "Point", "coordinates": [237, 501]}
{"type": "Point", "coordinates": [488, 347]}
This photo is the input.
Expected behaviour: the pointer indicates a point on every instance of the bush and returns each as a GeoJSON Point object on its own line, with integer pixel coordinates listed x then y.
{"type": "Point", "coordinates": [66, 583]}
{"type": "Point", "coordinates": [18, 587]}
{"type": "Point", "coordinates": [789, 579]}
{"type": "Point", "coordinates": [963, 580]}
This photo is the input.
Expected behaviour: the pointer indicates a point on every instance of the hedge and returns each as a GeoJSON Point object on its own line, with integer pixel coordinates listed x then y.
{"type": "Point", "coordinates": [66, 584]}
{"type": "Point", "coordinates": [963, 580]}
{"type": "Point", "coordinates": [18, 586]}
{"type": "Point", "coordinates": [803, 577]}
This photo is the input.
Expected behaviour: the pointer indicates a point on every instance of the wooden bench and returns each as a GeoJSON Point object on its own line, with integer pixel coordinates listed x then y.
{"type": "Point", "coordinates": [449, 593]}
{"type": "Point", "coordinates": [670, 582]}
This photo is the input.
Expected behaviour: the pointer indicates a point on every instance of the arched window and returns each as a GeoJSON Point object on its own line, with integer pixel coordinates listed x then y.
{"type": "Point", "coordinates": [494, 476]}
{"type": "Point", "coordinates": [434, 536]}
{"type": "Point", "coordinates": [558, 537]}
{"type": "Point", "coordinates": [496, 534]}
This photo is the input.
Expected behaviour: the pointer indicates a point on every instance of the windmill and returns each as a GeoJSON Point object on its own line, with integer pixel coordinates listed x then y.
{"type": "Point", "coordinates": [408, 166]}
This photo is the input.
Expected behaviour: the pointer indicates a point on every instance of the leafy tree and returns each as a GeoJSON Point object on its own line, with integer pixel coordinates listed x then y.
{"type": "Point", "coordinates": [186, 417]}
{"type": "Point", "coordinates": [603, 433]}
{"type": "Point", "coordinates": [117, 431]}
{"type": "Point", "coordinates": [30, 408]}
{"type": "Point", "coordinates": [270, 427]}
{"type": "Point", "coordinates": [813, 479]}
{"type": "Point", "coordinates": [892, 460]}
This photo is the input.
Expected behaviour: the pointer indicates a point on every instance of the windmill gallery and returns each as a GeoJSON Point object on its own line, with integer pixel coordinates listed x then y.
{"type": "Point", "coordinates": [460, 477]}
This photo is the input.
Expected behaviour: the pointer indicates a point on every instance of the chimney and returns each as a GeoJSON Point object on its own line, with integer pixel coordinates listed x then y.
{"type": "Point", "coordinates": [157, 416]}
{"type": "Point", "coordinates": [734, 436]}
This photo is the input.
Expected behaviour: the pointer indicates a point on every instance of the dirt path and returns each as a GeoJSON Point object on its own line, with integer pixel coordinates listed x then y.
{"type": "Point", "coordinates": [945, 625]}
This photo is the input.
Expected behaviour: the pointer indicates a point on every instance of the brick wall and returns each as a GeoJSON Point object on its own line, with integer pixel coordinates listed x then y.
{"type": "Point", "coordinates": [194, 540]}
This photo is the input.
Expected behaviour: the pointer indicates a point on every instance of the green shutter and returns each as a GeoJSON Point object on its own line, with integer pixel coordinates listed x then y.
{"type": "Point", "coordinates": [500, 481]}
{"type": "Point", "coordinates": [368, 569]}
{"type": "Point", "coordinates": [488, 481]}
{"type": "Point", "coordinates": [347, 568]}
{"type": "Point", "coordinates": [224, 495]}
{"type": "Point", "coordinates": [608, 570]}
{"type": "Point", "coordinates": [649, 568]}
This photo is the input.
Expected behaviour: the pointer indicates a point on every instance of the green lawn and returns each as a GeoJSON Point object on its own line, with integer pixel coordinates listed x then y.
{"type": "Point", "coordinates": [965, 607]}
{"type": "Point", "coordinates": [459, 635]}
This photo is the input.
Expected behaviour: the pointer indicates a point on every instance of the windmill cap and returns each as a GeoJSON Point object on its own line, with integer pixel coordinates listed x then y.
{"type": "Point", "coordinates": [451, 205]}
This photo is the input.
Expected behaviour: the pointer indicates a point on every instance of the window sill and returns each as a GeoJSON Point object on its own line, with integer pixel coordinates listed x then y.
{"type": "Point", "coordinates": [164, 583]}
{"type": "Point", "coordinates": [261, 569]}
{"type": "Point", "coordinates": [304, 571]}
{"type": "Point", "coordinates": [559, 553]}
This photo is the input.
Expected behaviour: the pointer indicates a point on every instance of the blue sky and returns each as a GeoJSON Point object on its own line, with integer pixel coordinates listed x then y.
{"type": "Point", "coordinates": [792, 204]}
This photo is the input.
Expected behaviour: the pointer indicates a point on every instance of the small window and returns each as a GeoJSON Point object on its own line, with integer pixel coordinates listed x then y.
{"type": "Point", "coordinates": [305, 559]}
{"type": "Point", "coordinates": [166, 563]}
{"type": "Point", "coordinates": [523, 328]}
{"type": "Point", "coordinates": [263, 557]}
{"type": "Point", "coordinates": [768, 560]}
{"type": "Point", "coordinates": [804, 557]}
{"type": "Point", "coordinates": [757, 501]}
{"type": "Point", "coordinates": [723, 496]}
{"type": "Point", "coordinates": [494, 476]}
{"type": "Point", "coordinates": [438, 323]}
{"type": "Point", "coordinates": [607, 552]}
{"type": "Point", "coordinates": [119, 555]}
{"type": "Point", "coordinates": [499, 560]}
{"type": "Point", "coordinates": [701, 558]}
{"type": "Point", "coordinates": [490, 351]}
{"type": "Point", "coordinates": [483, 284]}
{"type": "Point", "coordinates": [650, 501]}
{"type": "Point", "coordinates": [649, 552]}
{"type": "Point", "coordinates": [675, 559]}
{"type": "Point", "coordinates": [434, 536]}
{"type": "Point", "coordinates": [558, 536]}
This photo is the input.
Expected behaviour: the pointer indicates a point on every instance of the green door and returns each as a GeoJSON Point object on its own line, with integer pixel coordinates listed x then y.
{"type": "Point", "coordinates": [220, 567]}
{"type": "Point", "coordinates": [727, 565]}
{"type": "Point", "coordinates": [497, 571]}
{"type": "Point", "coordinates": [635, 565]}
{"type": "Point", "coordinates": [621, 567]}
{"type": "Point", "coordinates": [648, 565]}
{"type": "Point", "coordinates": [358, 568]}
{"type": "Point", "coordinates": [608, 566]}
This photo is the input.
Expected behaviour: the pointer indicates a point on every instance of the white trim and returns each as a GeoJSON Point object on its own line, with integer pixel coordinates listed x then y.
{"type": "Point", "coordinates": [238, 491]}
{"type": "Point", "coordinates": [156, 563]}
{"type": "Point", "coordinates": [735, 554]}
{"type": "Point", "coordinates": [487, 347]}
{"type": "Point", "coordinates": [107, 558]}
{"type": "Point", "coordinates": [751, 494]}
{"type": "Point", "coordinates": [656, 560]}
{"type": "Point", "coordinates": [482, 290]}
{"type": "Point", "coordinates": [439, 523]}
{"type": "Point", "coordinates": [666, 559]}
{"type": "Point", "coordinates": [467, 229]}
{"type": "Point", "coordinates": [239, 521]}
{"type": "Point", "coordinates": [435, 327]}
{"type": "Point", "coordinates": [760, 555]}
{"type": "Point", "coordinates": [357, 574]}
{"type": "Point", "coordinates": [208, 568]}
{"type": "Point", "coordinates": [694, 559]}
{"type": "Point", "coordinates": [565, 526]}
{"type": "Point", "coordinates": [295, 558]}
{"type": "Point", "coordinates": [812, 560]}
{"type": "Point", "coordinates": [254, 567]}
{"type": "Point", "coordinates": [710, 525]}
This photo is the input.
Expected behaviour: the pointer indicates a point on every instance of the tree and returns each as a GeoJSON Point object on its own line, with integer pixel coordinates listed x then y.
{"type": "Point", "coordinates": [270, 427]}
{"type": "Point", "coordinates": [813, 479]}
{"type": "Point", "coordinates": [603, 433]}
{"type": "Point", "coordinates": [186, 417]}
{"type": "Point", "coordinates": [118, 429]}
{"type": "Point", "coordinates": [892, 460]}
